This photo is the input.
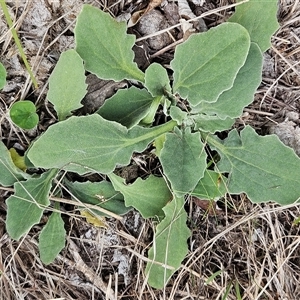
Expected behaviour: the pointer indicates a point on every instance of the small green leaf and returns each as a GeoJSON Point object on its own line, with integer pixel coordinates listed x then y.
{"type": "Point", "coordinates": [52, 238]}
{"type": "Point", "coordinates": [105, 46]}
{"type": "Point", "coordinates": [296, 221]}
{"type": "Point", "coordinates": [148, 196]}
{"type": "Point", "coordinates": [67, 85]}
{"type": "Point", "coordinates": [91, 143]}
{"type": "Point", "coordinates": [157, 80]}
{"type": "Point", "coordinates": [18, 160]}
{"type": "Point", "coordinates": [2, 76]}
{"type": "Point", "coordinates": [211, 187]}
{"type": "Point", "coordinates": [99, 193]}
{"type": "Point", "coordinates": [25, 208]}
{"type": "Point", "coordinates": [23, 114]}
{"type": "Point", "coordinates": [127, 107]}
{"type": "Point", "coordinates": [149, 118]}
{"type": "Point", "coordinates": [9, 173]}
{"type": "Point", "coordinates": [169, 245]}
{"type": "Point", "coordinates": [232, 102]}
{"type": "Point", "coordinates": [259, 18]}
{"type": "Point", "coordinates": [212, 124]}
{"type": "Point", "coordinates": [183, 159]}
{"type": "Point", "coordinates": [207, 63]}
{"type": "Point", "coordinates": [159, 144]}
{"type": "Point", "coordinates": [178, 115]}
{"type": "Point", "coordinates": [260, 166]}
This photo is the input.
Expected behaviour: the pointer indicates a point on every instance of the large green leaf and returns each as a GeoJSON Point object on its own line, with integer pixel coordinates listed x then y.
{"type": "Point", "coordinates": [91, 143]}
{"type": "Point", "coordinates": [207, 63]}
{"type": "Point", "coordinates": [148, 196]}
{"type": "Point", "coordinates": [169, 245]}
{"type": "Point", "coordinates": [260, 166]}
{"type": "Point", "coordinates": [9, 173]}
{"type": "Point", "coordinates": [211, 187]}
{"type": "Point", "coordinates": [100, 194]}
{"type": "Point", "coordinates": [2, 76]}
{"type": "Point", "coordinates": [183, 158]}
{"type": "Point", "coordinates": [52, 238]}
{"type": "Point", "coordinates": [259, 18]}
{"type": "Point", "coordinates": [232, 102]}
{"type": "Point", "coordinates": [25, 208]}
{"type": "Point", "coordinates": [105, 47]}
{"type": "Point", "coordinates": [67, 85]}
{"type": "Point", "coordinates": [127, 107]}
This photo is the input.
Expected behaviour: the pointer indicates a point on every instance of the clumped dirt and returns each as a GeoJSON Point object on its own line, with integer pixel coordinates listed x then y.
{"type": "Point", "coordinates": [243, 248]}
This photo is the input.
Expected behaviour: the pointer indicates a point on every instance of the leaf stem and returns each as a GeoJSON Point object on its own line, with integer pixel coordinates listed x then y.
{"type": "Point", "coordinates": [17, 41]}
{"type": "Point", "coordinates": [154, 133]}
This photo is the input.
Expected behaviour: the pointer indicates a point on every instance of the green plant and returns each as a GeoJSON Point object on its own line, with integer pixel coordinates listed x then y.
{"type": "Point", "coordinates": [215, 75]}
{"type": "Point", "coordinates": [23, 114]}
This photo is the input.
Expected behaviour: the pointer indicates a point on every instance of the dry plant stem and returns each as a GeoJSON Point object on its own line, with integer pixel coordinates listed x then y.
{"type": "Point", "coordinates": [213, 11]}
{"type": "Point", "coordinates": [281, 75]}
{"type": "Point", "coordinates": [17, 41]}
{"type": "Point", "coordinates": [88, 272]}
{"type": "Point", "coordinates": [37, 61]}
{"type": "Point", "coordinates": [17, 25]}
{"type": "Point", "coordinates": [258, 112]}
{"type": "Point", "coordinates": [162, 51]}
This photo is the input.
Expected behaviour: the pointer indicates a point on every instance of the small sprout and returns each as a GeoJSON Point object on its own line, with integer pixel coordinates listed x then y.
{"type": "Point", "coordinates": [23, 114]}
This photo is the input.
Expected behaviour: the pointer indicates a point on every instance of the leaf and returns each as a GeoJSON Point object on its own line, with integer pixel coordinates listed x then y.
{"type": "Point", "coordinates": [2, 76]}
{"type": "Point", "coordinates": [52, 238]}
{"type": "Point", "coordinates": [260, 166]}
{"type": "Point", "coordinates": [148, 196]}
{"type": "Point", "coordinates": [17, 159]}
{"type": "Point", "coordinates": [91, 143]}
{"type": "Point", "coordinates": [232, 102]}
{"type": "Point", "coordinates": [149, 118]}
{"type": "Point", "coordinates": [209, 206]}
{"type": "Point", "coordinates": [207, 63]}
{"type": "Point", "coordinates": [178, 115]}
{"type": "Point", "coordinates": [105, 46]}
{"type": "Point", "coordinates": [159, 144]}
{"type": "Point", "coordinates": [67, 85]}
{"type": "Point", "coordinates": [23, 114]}
{"type": "Point", "coordinates": [95, 220]}
{"type": "Point", "coordinates": [212, 124]}
{"type": "Point", "coordinates": [26, 206]}
{"type": "Point", "coordinates": [183, 159]}
{"type": "Point", "coordinates": [157, 80]}
{"type": "Point", "coordinates": [259, 18]}
{"type": "Point", "coordinates": [99, 193]}
{"type": "Point", "coordinates": [127, 107]}
{"type": "Point", "coordinates": [211, 187]}
{"type": "Point", "coordinates": [169, 245]}
{"type": "Point", "coordinates": [9, 172]}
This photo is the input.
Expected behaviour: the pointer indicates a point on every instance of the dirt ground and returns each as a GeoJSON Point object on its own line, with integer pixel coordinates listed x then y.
{"type": "Point", "coordinates": [245, 251]}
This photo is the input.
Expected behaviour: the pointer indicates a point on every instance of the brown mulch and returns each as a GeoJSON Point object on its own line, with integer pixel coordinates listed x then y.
{"type": "Point", "coordinates": [245, 249]}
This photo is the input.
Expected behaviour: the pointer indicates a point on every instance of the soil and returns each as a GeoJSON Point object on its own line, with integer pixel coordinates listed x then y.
{"type": "Point", "coordinates": [236, 247]}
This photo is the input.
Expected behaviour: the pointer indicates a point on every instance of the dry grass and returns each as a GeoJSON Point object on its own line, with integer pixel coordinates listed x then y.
{"type": "Point", "coordinates": [248, 251]}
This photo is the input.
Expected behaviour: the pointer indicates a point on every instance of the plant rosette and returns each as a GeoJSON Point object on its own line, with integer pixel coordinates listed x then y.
{"type": "Point", "coordinates": [216, 73]}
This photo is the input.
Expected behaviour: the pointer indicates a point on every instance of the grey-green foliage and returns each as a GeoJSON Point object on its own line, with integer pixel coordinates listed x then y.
{"type": "Point", "coordinates": [67, 84]}
{"type": "Point", "coordinates": [215, 76]}
{"type": "Point", "coordinates": [52, 238]}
